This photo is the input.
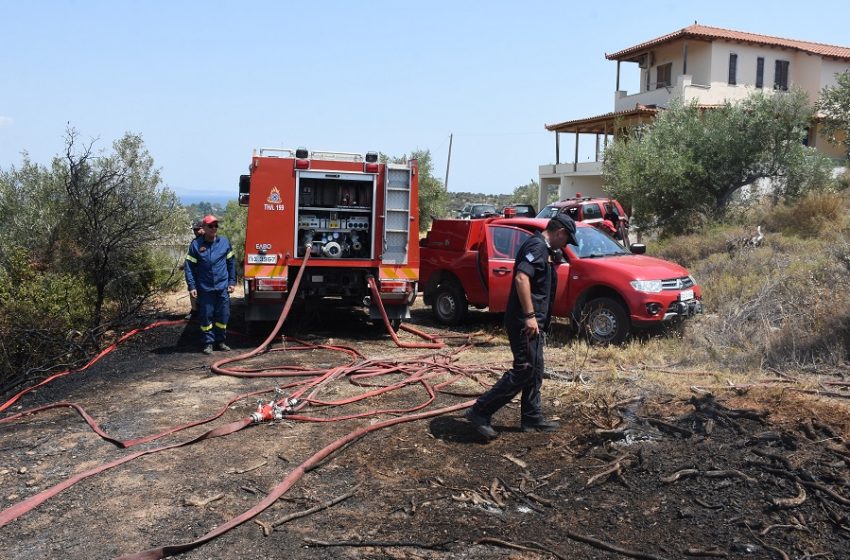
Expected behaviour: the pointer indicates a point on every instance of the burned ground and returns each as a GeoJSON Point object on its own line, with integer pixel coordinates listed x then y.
{"type": "Point", "coordinates": [638, 469]}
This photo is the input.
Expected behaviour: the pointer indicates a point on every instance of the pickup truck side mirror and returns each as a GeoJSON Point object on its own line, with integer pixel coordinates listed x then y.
{"type": "Point", "coordinates": [637, 248]}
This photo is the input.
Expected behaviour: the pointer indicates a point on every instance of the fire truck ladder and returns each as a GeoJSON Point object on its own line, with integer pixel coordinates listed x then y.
{"type": "Point", "coordinates": [397, 217]}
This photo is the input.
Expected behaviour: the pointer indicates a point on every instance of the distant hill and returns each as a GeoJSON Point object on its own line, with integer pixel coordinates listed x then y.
{"type": "Point", "coordinates": [217, 199]}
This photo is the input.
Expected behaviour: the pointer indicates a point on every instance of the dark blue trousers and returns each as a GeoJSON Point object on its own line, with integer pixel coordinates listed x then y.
{"type": "Point", "coordinates": [213, 314]}
{"type": "Point", "coordinates": [525, 376]}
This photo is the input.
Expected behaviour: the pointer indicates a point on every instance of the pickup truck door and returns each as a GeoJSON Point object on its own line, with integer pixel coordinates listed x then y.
{"type": "Point", "coordinates": [497, 261]}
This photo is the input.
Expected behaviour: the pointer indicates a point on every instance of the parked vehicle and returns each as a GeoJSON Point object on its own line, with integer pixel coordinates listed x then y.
{"type": "Point", "coordinates": [605, 290]}
{"type": "Point", "coordinates": [477, 210]}
{"type": "Point", "coordinates": [357, 217]}
{"type": "Point", "coordinates": [605, 214]}
{"type": "Point", "coordinates": [519, 211]}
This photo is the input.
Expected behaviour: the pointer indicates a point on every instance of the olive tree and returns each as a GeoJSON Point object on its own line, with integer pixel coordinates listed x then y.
{"type": "Point", "coordinates": [689, 163]}
{"type": "Point", "coordinates": [833, 108]}
{"type": "Point", "coordinates": [119, 211]}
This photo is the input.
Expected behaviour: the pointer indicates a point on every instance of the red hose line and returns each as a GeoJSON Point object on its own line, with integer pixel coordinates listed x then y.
{"type": "Point", "coordinates": [377, 297]}
{"type": "Point", "coordinates": [287, 483]}
{"type": "Point", "coordinates": [13, 512]}
{"type": "Point", "coordinates": [100, 355]}
{"type": "Point", "coordinates": [217, 366]}
{"type": "Point", "coordinates": [418, 371]}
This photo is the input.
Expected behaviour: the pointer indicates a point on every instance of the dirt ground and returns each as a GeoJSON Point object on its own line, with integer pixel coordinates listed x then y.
{"type": "Point", "coordinates": [640, 468]}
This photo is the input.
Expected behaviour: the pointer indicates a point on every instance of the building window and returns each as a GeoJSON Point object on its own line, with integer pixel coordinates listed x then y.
{"type": "Point", "coordinates": [760, 72]}
{"type": "Point", "coordinates": [733, 68]}
{"type": "Point", "coordinates": [780, 78]}
{"type": "Point", "coordinates": [663, 74]}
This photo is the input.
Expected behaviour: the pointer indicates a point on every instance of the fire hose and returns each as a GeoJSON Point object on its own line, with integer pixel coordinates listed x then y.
{"type": "Point", "coordinates": [421, 370]}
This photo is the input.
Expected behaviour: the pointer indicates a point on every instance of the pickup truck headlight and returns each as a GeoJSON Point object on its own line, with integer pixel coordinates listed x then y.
{"type": "Point", "coordinates": [649, 286]}
{"type": "Point", "coordinates": [693, 280]}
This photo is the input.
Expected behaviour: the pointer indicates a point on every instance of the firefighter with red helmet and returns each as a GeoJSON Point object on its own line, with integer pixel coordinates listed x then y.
{"type": "Point", "coordinates": [211, 277]}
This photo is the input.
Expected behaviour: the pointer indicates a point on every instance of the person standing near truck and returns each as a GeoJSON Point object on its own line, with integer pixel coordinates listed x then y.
{"type": "Point", "coordinates": [211, 277]}
{"type": "Point", "coordinates": [528, 313]}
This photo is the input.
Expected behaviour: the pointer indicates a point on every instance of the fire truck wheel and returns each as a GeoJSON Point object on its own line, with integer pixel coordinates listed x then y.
{"type": "Point", "coordinates": [449, 304]}
{"type": "Point", "coordinates": [604, 321]}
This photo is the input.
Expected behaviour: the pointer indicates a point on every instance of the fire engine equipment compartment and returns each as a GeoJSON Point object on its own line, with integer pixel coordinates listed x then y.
{"type": "Point", "coordinates": [335, 215]}
{"type": "Point", "coordinates": [357, 217]}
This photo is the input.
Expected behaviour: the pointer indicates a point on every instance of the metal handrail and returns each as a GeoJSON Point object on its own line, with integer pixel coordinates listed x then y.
{"type": "Point", "coordinates": [278, 150]}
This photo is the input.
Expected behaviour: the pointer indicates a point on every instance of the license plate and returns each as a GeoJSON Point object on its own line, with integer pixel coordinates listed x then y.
{"type": "Point", "coordinates": [316, 278]}
{"type": "Point", "coordinates": [262, 259]}
{"type": "Point", "coordinates": [686, 295]}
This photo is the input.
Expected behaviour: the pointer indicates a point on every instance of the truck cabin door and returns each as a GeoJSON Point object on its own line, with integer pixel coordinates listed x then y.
{"type": "Point", "coordinates": [497, 262]}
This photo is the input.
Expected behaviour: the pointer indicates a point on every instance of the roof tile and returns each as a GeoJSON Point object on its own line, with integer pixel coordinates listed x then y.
{"type": "Point", "coordinates": [706, 33]}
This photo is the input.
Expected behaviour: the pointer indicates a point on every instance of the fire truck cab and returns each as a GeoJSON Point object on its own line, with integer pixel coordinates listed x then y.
{"type": "Point", "coordinates": [357, 217]}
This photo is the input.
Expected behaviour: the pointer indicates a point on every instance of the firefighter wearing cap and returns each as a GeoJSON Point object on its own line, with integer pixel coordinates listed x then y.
{"type": "Point", "coordinates": [528, 313]}
{"type": "Point", "coordinates": [211, 277]}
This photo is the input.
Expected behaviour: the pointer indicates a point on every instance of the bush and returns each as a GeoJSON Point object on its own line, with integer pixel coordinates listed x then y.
{"type": "Point", "coordinates": [781, 305]}
{"type": "Point", "coordinates": [690, 249]}
{"type": "Point", "coordinates": [810, 216]}
{"type": "Point", "coordinates": [42, 315]}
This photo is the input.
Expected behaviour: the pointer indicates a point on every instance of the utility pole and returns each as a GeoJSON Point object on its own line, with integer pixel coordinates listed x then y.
{"type": "Point", "coordinates": [448, 163]}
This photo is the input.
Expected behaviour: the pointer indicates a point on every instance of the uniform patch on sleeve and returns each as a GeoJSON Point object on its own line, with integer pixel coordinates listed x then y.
{"type": "Point", "coordinates": [529, 257]}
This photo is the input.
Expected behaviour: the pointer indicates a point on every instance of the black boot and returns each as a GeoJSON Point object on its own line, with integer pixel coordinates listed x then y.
{"type": "Point", "coordinates": [541, 425]}
{"type": "Point", "coordinates": [482, 424]}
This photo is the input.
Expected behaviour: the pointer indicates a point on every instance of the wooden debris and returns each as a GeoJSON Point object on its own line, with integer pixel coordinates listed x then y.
{"type": "Point", "coordinates": [730, 473]}
{"type": "Point", "coordinates": [249, 469]}
{"type": "Point", "coordinates": [711, 553]}
{"type": "Point", "coordinates": [518, 462]}
{"type": "Point", "coordinates": [793, 501]}
{"type": "Point", "coordinates": [194, 501]}
{"type": "Point", "coordinates": [267, 529]}
{"type": "Point", "coordinates": [679, 474]}
{"type": "Point", "coordinates": [314, 509]}
{"type": "Point", "coordinates": [388, 544]}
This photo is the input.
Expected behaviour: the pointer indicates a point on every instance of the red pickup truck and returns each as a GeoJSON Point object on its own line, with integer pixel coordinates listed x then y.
{"type": "Point", "coordinates": [604, 289]}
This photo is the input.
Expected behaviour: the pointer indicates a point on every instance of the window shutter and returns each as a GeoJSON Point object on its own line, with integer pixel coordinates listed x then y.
{"type": "Point", "coordinates": [780, 79]}
{"type": "Point", "coordinates": [760, 72]}
{"type": "Point", "coordinates": [733, 68]}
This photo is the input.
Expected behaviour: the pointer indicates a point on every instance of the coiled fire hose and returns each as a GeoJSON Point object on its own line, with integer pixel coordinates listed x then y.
{"type": "Point", "coordinates": [417, 371]}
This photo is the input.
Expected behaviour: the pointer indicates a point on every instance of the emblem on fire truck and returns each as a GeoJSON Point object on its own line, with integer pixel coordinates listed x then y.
{"type": "Point", "coordinates": [274, 196]}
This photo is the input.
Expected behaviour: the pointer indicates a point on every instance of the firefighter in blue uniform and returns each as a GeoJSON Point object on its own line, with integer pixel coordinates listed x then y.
{"type": "Point", "coordinates": [527, 316]}
{"type": "Point", "coordinates": [211, 276]}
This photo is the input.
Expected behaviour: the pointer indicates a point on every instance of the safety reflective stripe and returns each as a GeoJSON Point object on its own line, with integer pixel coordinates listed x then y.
{"type": "Point", "coordinates": [229, 255]}
{"type": "Point", "coordinates": [221, 325]}
{"type": "Point", "coordinates": [206, 328]}
{"type": "Point", "coordinates": [190, 258]}
{"type": "Point", "coordinates": [398, 273]}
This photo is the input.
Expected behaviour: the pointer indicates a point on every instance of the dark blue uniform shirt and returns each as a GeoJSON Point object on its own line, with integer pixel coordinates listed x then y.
{"type": "Point", "coordinates": [533, 259]}
{"type": "Point", "coordinates": [210, 266]}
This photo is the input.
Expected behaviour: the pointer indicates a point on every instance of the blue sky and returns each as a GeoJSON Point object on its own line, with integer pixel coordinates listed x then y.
{"type": "Point", "coordinates": [207, 82]}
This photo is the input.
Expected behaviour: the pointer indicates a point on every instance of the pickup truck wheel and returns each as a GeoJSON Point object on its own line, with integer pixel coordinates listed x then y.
{"type": "Point", "coordinates": [604, 321]}
{"type": "Point", "coordinates": [449, 304]}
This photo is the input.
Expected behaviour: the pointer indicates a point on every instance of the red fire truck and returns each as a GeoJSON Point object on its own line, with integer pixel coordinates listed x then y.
{"type": "Point", "coordinates": [358, 218]}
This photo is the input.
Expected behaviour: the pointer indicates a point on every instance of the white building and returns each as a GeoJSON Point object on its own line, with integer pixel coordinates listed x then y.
{"type": "Point", "coordinates": [706, 64]}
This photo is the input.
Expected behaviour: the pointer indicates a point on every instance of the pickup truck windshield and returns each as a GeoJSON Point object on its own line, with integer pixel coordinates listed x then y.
{"type": "Point", "coordinates": [592, 243]}
{"type": "Point", "coordinates": [548, 212]}
{"type": "Point", "coordinates": [480, 210]}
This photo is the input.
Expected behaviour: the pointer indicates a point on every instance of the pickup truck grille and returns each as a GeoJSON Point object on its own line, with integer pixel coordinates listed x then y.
{"type": "Point", "coordinates": [677, 283]}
